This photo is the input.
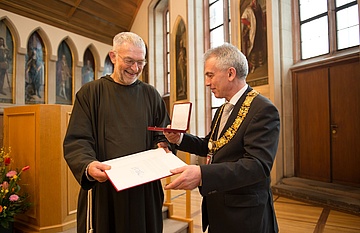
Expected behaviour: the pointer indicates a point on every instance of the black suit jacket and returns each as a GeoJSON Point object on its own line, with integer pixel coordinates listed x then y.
{"type": "Point", "coordinates": [236, 186]}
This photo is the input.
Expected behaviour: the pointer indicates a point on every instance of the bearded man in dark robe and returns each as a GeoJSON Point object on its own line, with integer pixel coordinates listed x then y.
{"type": "Point", "coordinates": [109, 120]}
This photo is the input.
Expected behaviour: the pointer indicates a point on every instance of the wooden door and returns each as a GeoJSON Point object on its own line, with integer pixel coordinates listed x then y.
{"type": "Point", "coordinates": [345, 123]}
{"type": "Point", "coordinates": [312, 124]}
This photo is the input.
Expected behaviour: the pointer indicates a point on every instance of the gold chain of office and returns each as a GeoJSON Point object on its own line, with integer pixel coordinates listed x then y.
{"type": "Point", "coordinates": [231, 131]}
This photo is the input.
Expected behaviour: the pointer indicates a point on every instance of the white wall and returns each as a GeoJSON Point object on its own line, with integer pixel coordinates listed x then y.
{"type": "Point", "coordinates": [25, 27]}
{"type": "Point", "coordinates": [22, 27]}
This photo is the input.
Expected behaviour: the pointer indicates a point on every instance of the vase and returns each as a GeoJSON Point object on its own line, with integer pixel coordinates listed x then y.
{"type": "Point", "coordinates": [7, 230]}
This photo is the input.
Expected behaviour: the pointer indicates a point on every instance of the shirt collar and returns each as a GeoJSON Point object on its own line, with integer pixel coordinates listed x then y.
{"type": "Point", "coordinates": [237, 96]}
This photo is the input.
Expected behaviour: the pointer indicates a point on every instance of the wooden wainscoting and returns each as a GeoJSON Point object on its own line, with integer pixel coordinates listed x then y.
{"type": "Point", "coordinates": [35, 134]}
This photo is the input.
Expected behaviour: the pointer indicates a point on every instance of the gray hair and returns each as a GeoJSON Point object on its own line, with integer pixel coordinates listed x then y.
{"type": "Point", "coordinates": [128, 37]}
{"type": "Point", "coordinates": [227, 55]}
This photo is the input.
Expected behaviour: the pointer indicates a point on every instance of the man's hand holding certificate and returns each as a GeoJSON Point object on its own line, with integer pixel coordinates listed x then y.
{"type": "Point", "coordinates": [140, 168]}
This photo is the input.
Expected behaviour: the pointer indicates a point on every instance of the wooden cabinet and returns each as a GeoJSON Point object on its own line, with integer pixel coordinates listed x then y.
{"type": "Point", "coordinates": [35, 134]}
{"type": "Point", "coordinates": [327, 122]}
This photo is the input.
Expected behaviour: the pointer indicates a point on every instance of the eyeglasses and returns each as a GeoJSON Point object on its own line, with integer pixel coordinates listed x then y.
{"type": "Point", "coordinates": [131, 62]}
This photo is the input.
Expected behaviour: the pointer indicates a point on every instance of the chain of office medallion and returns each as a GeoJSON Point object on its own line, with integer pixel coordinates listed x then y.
{"type": "Point", "coordinates": [231, 131]}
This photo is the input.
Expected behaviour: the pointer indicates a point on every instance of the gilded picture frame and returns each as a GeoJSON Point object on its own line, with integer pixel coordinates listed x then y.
{"type": "Point", "coordinates": [35, 73]}
{"type": "Point", "coordinates": [64, 75]}
{"type": "Point", "coordinates": [181, 80]}
{"type": "Point", "coordinates": [253, 33]}
{"type": "Point", "coordinates": [7, 73]}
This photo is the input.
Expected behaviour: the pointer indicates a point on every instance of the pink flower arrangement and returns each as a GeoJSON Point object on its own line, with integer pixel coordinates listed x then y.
{"type": "Point", "coordinates": [12, 201]}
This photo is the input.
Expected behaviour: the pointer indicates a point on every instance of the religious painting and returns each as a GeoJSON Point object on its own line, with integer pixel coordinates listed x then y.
{"type": "Point", "coordinates": [108, 66]}
{"type": "Point", "coordinates": [64, 75]}
{"type": "Point", "coordinates": [181, 62]}
{"type": "Point", "coordinates": [35, 70]}
{"type": "Point", "coordinates": [6, 64]}
{"type": "Point", "coordinates": [145, 71]}
{"type": "Point", "coordinates": [87, 71]}
{"type": "Point", "coordinates": [254, 40]}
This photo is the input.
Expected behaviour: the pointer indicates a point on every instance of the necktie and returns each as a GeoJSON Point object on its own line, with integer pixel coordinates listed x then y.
{"type": "Point", "coordinates": [224, 117]}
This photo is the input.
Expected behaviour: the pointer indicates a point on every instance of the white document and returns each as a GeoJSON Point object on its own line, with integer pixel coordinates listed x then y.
{"type": "Point", "coordinates": [140, 168]}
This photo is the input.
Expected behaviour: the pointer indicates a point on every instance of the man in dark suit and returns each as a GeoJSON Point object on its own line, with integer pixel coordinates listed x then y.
{"type": "Point", "coordinates": [235, 182]}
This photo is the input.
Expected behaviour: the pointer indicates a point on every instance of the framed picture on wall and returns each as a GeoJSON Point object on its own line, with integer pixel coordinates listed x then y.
{"type": "Point", "coordinates": [35, 70]}
{"type": "Point", "coordinates": [6, 64]}
{"type": "Point", "coordinates": [181, 62]}
{"type": "Point", "coordinates": [64, 75]}
{"type": "Point", "coordinates": [87, 71]}
{"type": "Point", "coordinates": [254, 40]}
{"type": "Point", "coordinates": [108, 66]}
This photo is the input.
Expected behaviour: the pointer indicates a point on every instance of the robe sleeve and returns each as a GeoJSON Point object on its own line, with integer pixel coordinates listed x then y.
{"type": "Point", "coordinates": [161, 116]}
{"type": "Point", "coordinates": [80, 143]}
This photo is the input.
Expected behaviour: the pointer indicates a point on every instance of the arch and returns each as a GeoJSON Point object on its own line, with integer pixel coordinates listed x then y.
{"type": "Point", "coordinates": [7, 62]}
{"type": "Point", "coordinates": [36, 68]}
{"type": "Point", "coordinates": [14, 32]}
{"type": "Point", "coordinates": [64, 73]}
{"type": "Point", "coordinates": [45, 39]}
{"type": "Point", "coordinates": [73, 49]}
{"type": "Point", "coordinates": [108, 66]}
{"type": "Point", "coordinates": [179, 40]}
{"type": "Point", "coordinates": [96, 55]}
{"type": "Point", "coordinates": [156, 51]}
{"type": "Point", "coordinates": [89, 67]}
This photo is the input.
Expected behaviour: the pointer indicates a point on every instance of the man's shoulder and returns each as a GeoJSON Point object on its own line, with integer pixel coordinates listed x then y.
{"type": "Point", "coordinates": [263, 98]}
{"type": "Point", "coordinates": [147, 86]}
{"type": "Point", "coordinates": [92, 86]}
{"type": "Point", "coordinates": [263, 103]}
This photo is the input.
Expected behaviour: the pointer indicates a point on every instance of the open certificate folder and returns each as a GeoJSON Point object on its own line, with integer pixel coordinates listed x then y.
{"type": "Point", "coordinates": [180, 119]}
{"type": "Point", "coordinates": [140, 168]}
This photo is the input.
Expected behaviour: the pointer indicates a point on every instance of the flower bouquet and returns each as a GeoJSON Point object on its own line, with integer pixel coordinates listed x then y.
{"type": "Point", "coordinates": [11, 201]}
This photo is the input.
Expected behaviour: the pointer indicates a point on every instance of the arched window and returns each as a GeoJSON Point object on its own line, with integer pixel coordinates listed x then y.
{"type": "Point", "coordinates": [158, 65]}
{"type": "Point", "coordinates": [108, 66]}
{"type": "Point", "coordinates": [87, 71]}
{"type": "Point", "coordinates": [167, 52]}
{"type": "Point", "coordinates": [181, 60]}
{"type": "Point", "coordinates": [35, 70]}
{"type": "Point", "coordinates": [217, 31]}
{"type": "Point", "coordinates": [158, 47]}
{"type": "Point", "coordinates": [6, 64]}
{"type": "Point", "coordinates": [64, 74]}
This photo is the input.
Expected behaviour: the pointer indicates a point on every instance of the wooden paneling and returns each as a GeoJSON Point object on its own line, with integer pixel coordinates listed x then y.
{"type": "Point", "coordinates": [345, 121]}
{"type": "Point", "coordinates": [35, 134]}
{"type": "Point", "coordinates": [19, 135]}
{"type": "Point", "coordinates": [326, 121]}
{"type": "Point", "coordinates": [313, 122]}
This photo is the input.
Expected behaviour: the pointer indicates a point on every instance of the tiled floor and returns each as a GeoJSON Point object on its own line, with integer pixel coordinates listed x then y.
{"type": "Point", "coordinates": [293, 216]}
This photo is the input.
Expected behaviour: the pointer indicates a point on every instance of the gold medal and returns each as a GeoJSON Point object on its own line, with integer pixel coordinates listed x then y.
{"type": "Point", "coordinates": [210, 145]}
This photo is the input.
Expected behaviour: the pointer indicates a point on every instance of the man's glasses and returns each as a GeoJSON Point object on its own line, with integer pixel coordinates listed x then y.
{"type": "Point", "coordinates": [131, 62]}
